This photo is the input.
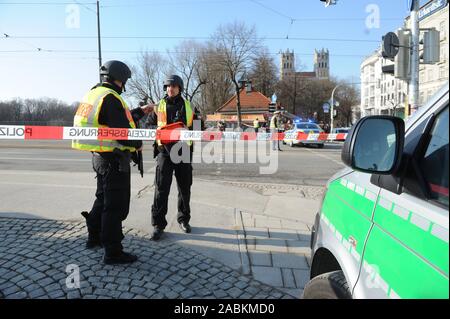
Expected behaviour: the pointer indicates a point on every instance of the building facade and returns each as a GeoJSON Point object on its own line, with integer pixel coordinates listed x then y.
{"type": "Point", "coordinates": [254, 106]}
{"type": "Point", "coordinates": [433, 14]}
{"type": "Point", "coordinates": [321, 65]}
{"type": "Point", "coordinates": [382, 93]}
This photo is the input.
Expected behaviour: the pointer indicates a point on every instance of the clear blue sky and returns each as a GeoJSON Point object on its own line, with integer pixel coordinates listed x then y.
{"type": "Point", "coordinates": [68, 75]}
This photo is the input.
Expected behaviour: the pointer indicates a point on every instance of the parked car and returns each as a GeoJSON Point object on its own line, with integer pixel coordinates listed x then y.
{"type": "Point", "coordinates": [383, 227]}
{"type": "Point", "coordinates": [340, 130]}
{"type": "Point", "coordinates": [303, 127]}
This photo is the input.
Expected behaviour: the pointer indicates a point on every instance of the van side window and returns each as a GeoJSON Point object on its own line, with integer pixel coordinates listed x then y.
{"type": "Point", "coordinates": [435, 162]}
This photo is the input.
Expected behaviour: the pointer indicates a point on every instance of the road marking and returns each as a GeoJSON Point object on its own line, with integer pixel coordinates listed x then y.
{"type": "Point", "coordinates": [326, 157]}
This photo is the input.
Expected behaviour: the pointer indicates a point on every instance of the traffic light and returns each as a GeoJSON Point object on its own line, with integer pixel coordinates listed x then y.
{"type": "Point", "coordinates": [431, 47]}
{"type": "Point", "coordinates": [329, 2]}
{"type": "Point", "coordinates": [402, 59]}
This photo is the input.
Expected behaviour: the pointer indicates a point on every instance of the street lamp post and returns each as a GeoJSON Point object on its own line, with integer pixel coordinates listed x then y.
{"type": "Point", "coordinates": [332, 107]}
{"type": "Point", "coordinates": [415, 59]}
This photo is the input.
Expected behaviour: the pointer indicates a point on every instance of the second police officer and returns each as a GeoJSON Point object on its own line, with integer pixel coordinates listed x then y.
{"type": "Point", "coordinates": [171, 109]}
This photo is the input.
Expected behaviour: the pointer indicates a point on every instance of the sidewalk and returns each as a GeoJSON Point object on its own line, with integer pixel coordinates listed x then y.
{"type": "Point", "coordinates": [255, 235]}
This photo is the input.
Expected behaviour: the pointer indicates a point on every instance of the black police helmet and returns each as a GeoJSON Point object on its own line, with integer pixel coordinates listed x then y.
{"type": "Point", "coordinates": [174, 80]}
{"type": "Point", "coordinates": [115, 70]}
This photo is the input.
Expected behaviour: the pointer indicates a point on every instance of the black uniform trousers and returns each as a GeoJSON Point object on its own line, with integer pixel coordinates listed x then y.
{"type": "Point", "coordinates": [111, 205]}
{"type": "Point", "coordinates": [163, 180]}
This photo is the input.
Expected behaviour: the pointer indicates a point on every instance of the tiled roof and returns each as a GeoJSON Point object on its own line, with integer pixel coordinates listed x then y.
{"type": "Point", "coordinates": [249, 101]}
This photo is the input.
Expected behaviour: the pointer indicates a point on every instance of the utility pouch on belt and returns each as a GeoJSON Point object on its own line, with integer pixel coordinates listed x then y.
{"type": "Point", "coordinates": [124, 158]}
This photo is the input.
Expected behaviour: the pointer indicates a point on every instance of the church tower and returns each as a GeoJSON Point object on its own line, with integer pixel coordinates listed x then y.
{"type": "Point", "coordinates": [322, 64]}
{"type": "Point", "coordinates": [287, 66]}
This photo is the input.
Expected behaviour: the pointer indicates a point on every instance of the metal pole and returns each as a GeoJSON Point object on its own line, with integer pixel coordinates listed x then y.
{"type": "Point", "coordinates": [415, 34]}
{"type": "Point", "coordinates": [99, 39]}
{"type": "Point", "coordinates": [295, 92]}
{"type": "Point", "coordinates": [332, 108]}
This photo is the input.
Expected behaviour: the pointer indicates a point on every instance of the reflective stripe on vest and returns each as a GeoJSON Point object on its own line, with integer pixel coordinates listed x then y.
{"type": "Point", "coordinates": [161, 114]}
{"type": "Point", "coordinates": [87, 116]}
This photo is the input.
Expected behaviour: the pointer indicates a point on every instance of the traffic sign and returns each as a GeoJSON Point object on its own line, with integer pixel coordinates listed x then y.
{"type": "Point", "coordinates": [390, 46]}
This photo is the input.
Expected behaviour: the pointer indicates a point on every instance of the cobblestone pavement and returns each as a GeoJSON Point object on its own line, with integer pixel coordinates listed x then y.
{"type": "Point", "coordinates": [35, 254]}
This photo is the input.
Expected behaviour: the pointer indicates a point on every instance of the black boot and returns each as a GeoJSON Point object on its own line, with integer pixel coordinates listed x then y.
{"type": "Point", "coordinates": [185, 227]}
{"type": "Point", "coordinates": [157, 233]}
{"type": "Point", "coordinates": [119, 259]}
{"type": "Point", "coordinates": [93, 239]}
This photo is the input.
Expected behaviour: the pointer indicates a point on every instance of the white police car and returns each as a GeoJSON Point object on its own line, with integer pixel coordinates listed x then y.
{"type": "Point", "coordinates": [309, 128]}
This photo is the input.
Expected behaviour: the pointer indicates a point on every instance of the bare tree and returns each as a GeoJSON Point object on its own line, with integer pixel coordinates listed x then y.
{"type": "Point", "coordinates": [186, 61]}
{"type": "Point", "coordinates": [264, 73]}
{"type": "Point", "coordinates": [218, 88]}
{"type": "Point", "coordinates": [236, 45]}
{"type": "Point", "coordinates": [44, 111]}
{"type": "Point", "coordinates": [348, 96]}
{"type": "Point", "coordinates": [148, 77]}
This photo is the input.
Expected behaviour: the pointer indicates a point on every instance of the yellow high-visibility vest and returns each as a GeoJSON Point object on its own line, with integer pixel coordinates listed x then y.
{"type": "Point", "coordinates": [161, 114]}
{"type": "Point", "coordinates": [256, 124]}
{"type": "Point", "coordinates": [87, 116]}
{"type": "Point", "coordinates": [273, 125]}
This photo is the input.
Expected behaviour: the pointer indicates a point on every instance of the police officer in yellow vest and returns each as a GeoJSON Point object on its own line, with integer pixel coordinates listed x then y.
{"type": "Point", "coordinates": [171, 109]}
{"type": "Point", "coordinates": [256, 125]}
{"type": "Point", "coordinates": [103, 107]}
{"type": "Point", "coordinates": [275, 126]}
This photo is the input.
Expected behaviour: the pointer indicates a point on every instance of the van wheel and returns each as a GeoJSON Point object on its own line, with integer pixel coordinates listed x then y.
{"type": "Point", "coordinates": [331, 285]}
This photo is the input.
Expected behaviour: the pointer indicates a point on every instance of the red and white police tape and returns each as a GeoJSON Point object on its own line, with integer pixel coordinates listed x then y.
{"type": "Point", "coordinates": [27, 132]}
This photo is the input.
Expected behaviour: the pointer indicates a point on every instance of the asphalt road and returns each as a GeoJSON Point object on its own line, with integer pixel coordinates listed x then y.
{"type": "Point", "coordinates": [298, 165]}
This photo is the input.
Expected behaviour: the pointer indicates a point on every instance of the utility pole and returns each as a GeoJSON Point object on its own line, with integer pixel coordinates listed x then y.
{"type": "Point", "coordinates": [99, 39]}
{"type": "Point", "coordinates": [295, 92]}
{"type": "Point", "coordinates": [415, 59]}
{"type": "Point", "coordinates": [332, 107]}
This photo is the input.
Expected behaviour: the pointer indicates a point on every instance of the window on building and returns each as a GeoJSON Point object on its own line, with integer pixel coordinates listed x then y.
{"type": "Point", "coordinates": [430, 75]}
{"type": "Point", "coordinates": [443, 73]}
{"type": "Point", "coordinates": [443, 30]}
{"type": "Point", "coordinates": [443, 54]}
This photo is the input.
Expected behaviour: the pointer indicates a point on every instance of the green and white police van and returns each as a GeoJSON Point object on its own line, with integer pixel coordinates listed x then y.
{"type": "Point", "coordinates": [382, 229]}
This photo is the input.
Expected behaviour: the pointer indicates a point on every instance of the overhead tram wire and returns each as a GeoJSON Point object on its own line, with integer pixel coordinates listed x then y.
{"type": "Point", "coordinates": [195, 38]}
